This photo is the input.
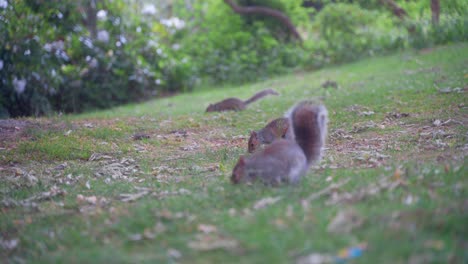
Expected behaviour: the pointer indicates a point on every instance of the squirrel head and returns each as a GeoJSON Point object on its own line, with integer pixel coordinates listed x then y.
{"type": "Point", "coordinates": [253, 142]}
{"type": "Point", "coordinates": [211, 108]}
{"type": "Point", "coordinates": [239, 171]}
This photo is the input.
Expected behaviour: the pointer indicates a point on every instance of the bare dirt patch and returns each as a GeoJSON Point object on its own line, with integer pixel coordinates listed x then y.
{"type": "Point", "coordinates": [12, 129]}
{"type": "Point", "coordinates": [396, 141]}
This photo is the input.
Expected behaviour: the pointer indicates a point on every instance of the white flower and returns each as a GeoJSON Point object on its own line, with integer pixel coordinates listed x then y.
{"type": "Point", "coordinates": [103, 36]}
{"type": "Point", "coordinates": [174, 22]}
{"type": "Point", "coordinates": [62, 54]}
{"type": "Point", "coordinates": [149, 9]}
{"type": "Point", "coordinates": [101, 14]}
{"type": "Point", "coordinates": [36, 75]}
{"type": "Point", "coordinates": [93, 63]}
{"type": "Point", "coordinates": [20, 85]}
{"type": "Point", "coordinates": [88, 43]}
{"type": "Point", "coordinates": [58, 45]}
{"type": "Point", "coordinates": [123, 39]}
{"type": "Point", "coordinates": [3, 4]}
{"type": "Point", "coordinates": [48, 47]}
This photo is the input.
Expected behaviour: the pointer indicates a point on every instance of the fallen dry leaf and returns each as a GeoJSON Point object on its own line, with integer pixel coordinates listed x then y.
{"type": "Point", "coordinates": [130, 197]}
{"type": "Point", "coordinates": [395, 115]}
{"type": "Point", "coordinates": [91, 200]}
{"type": "Point", "coordinates": [372, 189]}
{"type": "Point", "coordinates": [99, 156]}
{"type": "Point", "coordinates": [205, 242]}
{"type": "Point", "coordinates": [207, 228]}
{"type": "Point", "coordinates": [135, 237]}
{"type": "Point", "coordinates": [168, 215]}
{"type": "Point", "coordinates": [118, 170]}
{"type": "Point", "coordinates": [316, 258]}
{"type": "Point", "coordinates": [31, 201]}
{"type": "Point", "coordinates": [366, 113]}
{"type": "Point", "coordinates": [345, 221]}
{"type": "Point", "coordinates": [450, 90]}
{"type": "Point", "coordinates": [174, 253]}
{"type": "Point", "coordinates": [326, 191]}
{"type": "Point", "coordinates": [265, 202]}
{"type": "Point", "coordinates": [397, 174]}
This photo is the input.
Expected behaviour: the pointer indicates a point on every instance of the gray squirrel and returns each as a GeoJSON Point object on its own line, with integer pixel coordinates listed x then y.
{"type": "Point", "coordinates": [236, 104]}
{"type": "Point", "coordinates": [287, 160]}
{"type": "Point", "coordinates": [276, 129]}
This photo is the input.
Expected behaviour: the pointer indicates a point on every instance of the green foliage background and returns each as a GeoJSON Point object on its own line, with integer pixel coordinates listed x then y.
{"type": "Point", "coordinates": [146, 55]}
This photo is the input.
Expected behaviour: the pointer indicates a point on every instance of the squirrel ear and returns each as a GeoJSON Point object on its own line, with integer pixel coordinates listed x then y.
{"type": "Point", "coordinates": [253, 133]}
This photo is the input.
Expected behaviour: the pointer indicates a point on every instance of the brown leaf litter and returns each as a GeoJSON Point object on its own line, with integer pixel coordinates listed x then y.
{"type": "Point", "coordinates": [208, 242]}
{"type": "Point", "coordinates": [372, 189]}
{"type": "Point", "coordinates": [211, 238]}
{"type": "Point", "coordinates": [35, 199]}
{"type": "Point", "coordinates": [13, 131]}
{"type": "Point", "coordinates": [115, 169]}
{"type": "Point", "coordinates": [345, 221]}
{"type": "Point", "coordinates": [143, 191]}
{"type": "Point", "coordinates": [262, 203]}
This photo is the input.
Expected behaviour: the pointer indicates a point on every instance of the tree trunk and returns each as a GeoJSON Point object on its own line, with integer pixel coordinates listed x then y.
{"type": "Point", "coordinates": [265, 11]}
{"type": "Point", "coordinates": [435, 8]}
{"type": "Point", "coordinates": [90, 20]}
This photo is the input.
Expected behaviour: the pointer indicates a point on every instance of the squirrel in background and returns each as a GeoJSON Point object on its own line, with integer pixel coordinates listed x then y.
{"type": "Point", "coordinates": [287, 160]}
{"type": "Point", "coordinates": [236, 104]}
{"type": "Point", "coordinates": [276, 129]}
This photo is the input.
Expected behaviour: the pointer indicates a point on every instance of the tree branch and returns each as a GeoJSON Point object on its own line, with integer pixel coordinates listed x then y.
{"type": "Point", "coordinates": [399, 12]}
{"type": "Point", "coordinates": [435, 8]}
{"type": "Point", "coordinates": [396, 9]}
{"type": "Point", "coordinates": [265, 11]}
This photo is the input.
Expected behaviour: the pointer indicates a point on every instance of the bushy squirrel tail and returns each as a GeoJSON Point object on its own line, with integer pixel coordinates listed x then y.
{"type": "Point", "coordinates": [309, 122]}
{"type": "Point", "coordinates": [259, 95]}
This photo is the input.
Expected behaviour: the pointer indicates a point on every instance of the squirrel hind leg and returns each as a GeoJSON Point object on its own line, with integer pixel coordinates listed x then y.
{"type": "Point", "coordinates": [297, 170]}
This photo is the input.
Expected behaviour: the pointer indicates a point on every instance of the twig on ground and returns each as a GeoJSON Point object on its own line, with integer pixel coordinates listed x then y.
{"type": "Point", "coordinates": [326, 191]}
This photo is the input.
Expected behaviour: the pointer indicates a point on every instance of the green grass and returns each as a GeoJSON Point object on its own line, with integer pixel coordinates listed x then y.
{"type": "Point", "coordinates": [189, 156]}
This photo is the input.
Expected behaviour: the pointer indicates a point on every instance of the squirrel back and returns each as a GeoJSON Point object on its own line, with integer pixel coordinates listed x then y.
{"type": "Point", "coordinates": [229, 104]}
{"type": "Point", "coordinates": [281, 162]}
{"type": "Point", "coordinates": [286, 160]}
{"type": "Point", "coordinates": [236, 104]}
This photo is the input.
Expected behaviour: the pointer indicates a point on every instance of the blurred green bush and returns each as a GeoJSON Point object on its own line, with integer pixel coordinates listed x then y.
{"type": "Point", "coordinates": [73, 56]}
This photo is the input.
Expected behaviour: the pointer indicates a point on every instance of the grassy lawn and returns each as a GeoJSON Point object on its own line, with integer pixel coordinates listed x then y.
{"type": "Point", "coordinates": [81, 189]}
